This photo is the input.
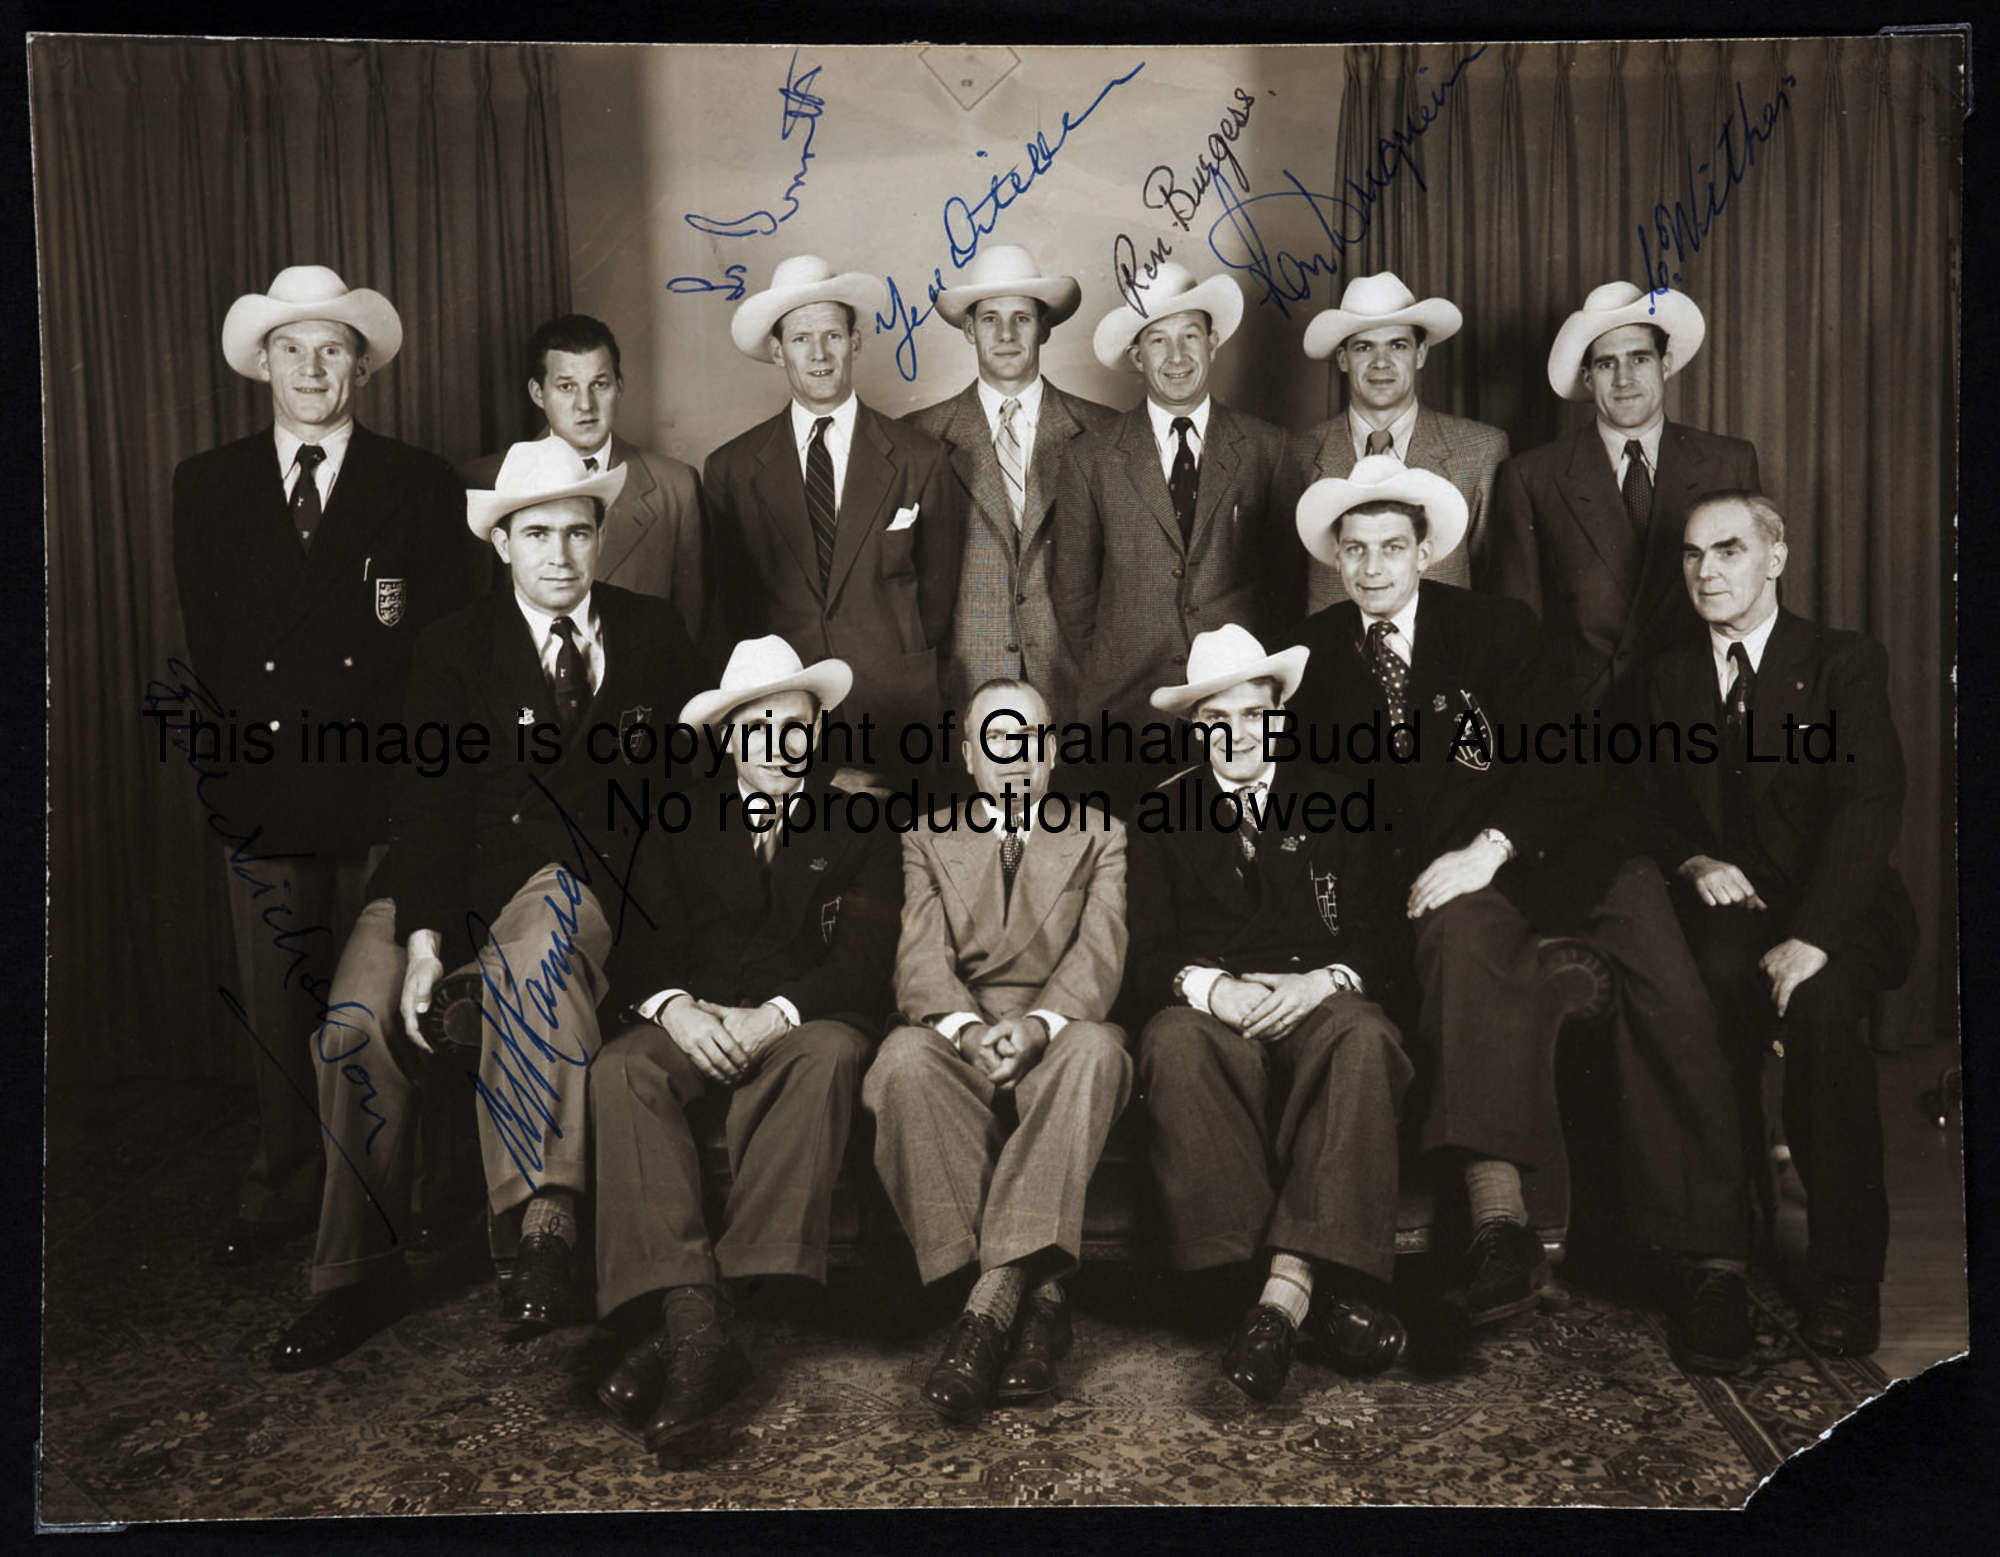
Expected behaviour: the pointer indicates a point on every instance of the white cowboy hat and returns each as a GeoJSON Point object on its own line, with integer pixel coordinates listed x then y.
{"type": "Point", "coordinates": [802, 279]}
{"type": "Point", "coordinates": [541, 470]}
{"type": "Point", "coordinates": [1171, 291]}
{"type": "Point", "coordinates": [1008, 270]}
{"type": "Point", "coordinates": [1609, 306]}
{"type": "Point", "coordinates": [1221, 659]}
{"type": "Point", "coordinates": [1372, 302]}
{"type": "Point", "coordinates": [764, 667]}
{"type": "Point", "coordinates": [309, 292]}
{"type": "Point", "coordinates": [1381, 478]}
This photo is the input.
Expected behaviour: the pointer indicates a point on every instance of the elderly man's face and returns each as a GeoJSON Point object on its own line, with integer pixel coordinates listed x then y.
{"type": "Point", "coordinates": [1173, 355]}
{"type": "Point", "coordinates": [1627, 372]}
{"type": "Point", "coordinates": [1003, 747]}
{"type": "Point", "coordinates": [1731, 570]}
{"type": "Point", "coordinates": [1237, 757]}
{"type": "Point", "coordinates": [772, 734]}
{"type": "Point", "coordinates": [313, 367]}
{"type": "Point", "coordinates": [1381, 368]}
{"type": "Point", "coordinates": [1381, 560]}
{"type": "Point", "coordinates": [816, 347]}
{"type": "Point", "coordinates": [551, 551]}
{"type": "Point", "coordinates": [1007, 333]}
{"type": "Point", "coordinates": [578, 393]}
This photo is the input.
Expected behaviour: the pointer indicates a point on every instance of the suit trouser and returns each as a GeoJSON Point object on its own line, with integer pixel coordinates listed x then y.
{"type": "Point", "coordinates": [965, 1186]}
{"type": "Point", "coordinates": [1321, 1180]}
{"type": "Point", "coordinates": [539, 1034]}
{"type": "Point", "coordinates": [785, 1128]}
{"type": "Point", "coordinates": [1833, 1117]}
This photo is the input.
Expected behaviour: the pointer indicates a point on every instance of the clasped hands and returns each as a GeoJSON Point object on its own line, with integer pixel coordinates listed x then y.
{"type": "Point", "coordinates": [725, 1042]}
{"type": "Point", "coordinates": [1263, 1007]}
{"type": "Point", "coordinates": [1005, 1050]}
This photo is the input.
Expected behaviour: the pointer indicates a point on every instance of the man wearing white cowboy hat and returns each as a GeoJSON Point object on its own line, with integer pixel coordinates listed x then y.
{"type": "Point", "coordinates": [1587, 530]}
{"type": "Point", "coordinates": [503, 870]}
{"type": "Point", "coordinates": [1170, 520]}
{"type": "Point", "coordinates": [1009, 432]}
{"type": "Point", "coordinates": [653, 532]}
{"type": "Point", "coordinates": [1379, 337]}
{"type": "Point", "coordinates": [308, 557]}
{"type": "Point", "coordinates": [835, 528]}
{"type": "Point", "coordinates": [760, 986]}
{"type": "Point", "coordinates": [1272, 1074]}
{"type": "Point", "coordinates": [1486, 863]}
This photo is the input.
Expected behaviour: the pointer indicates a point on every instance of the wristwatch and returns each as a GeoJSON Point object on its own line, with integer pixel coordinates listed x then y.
{"type": "Point", "coordinates": [1494, 835]}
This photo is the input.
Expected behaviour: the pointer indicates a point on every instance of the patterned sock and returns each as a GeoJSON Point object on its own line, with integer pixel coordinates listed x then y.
{"type": "Point", "coordinates": [690, 1310]}
{"type": "Point", "coordinates": [1050, 1294]}
{"type": "Point", "coordinates": [997, 1294]}
{"type": "Point", "coordinates": [1494, 1189]}
{"type": "Point", "coordinates": [553, 1212]}
{"type": "Point", "coordinates": [1290, 1287]}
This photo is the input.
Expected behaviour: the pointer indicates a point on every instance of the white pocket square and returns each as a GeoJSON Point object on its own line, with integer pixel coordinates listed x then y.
{"type": "Point", "coordinates": [905, 517]}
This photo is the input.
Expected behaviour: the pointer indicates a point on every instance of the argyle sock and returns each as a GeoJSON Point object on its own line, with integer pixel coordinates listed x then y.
{"type": "Point", "coordinates": [551, 1212]}
{"type": "Point", "coordinates": [997, 1294]}
{"type": "Point", "coordinates": [1050, 1294]}
{"type": "Point", "coordinates": [1493, 1189]}
{"type": "Point", "coordinates": [1290, 1287]}
{"type": "Point", "coordinates": [690, 1310]}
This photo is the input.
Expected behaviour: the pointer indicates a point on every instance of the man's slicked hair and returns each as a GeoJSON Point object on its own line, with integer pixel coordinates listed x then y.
{"type": "Point", "coordinates": [578, 334]}
{"type": "Point", "coordinates": [1763, 512]}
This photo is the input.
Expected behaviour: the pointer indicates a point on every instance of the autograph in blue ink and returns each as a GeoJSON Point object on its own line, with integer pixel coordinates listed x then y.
{"type": "Point", "coordinates": [1683, 230]}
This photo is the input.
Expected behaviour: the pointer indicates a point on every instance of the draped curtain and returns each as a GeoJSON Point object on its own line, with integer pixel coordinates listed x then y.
{"type": "Point", "coordinates": [1829, 281]}
{"type": "Point", "coordinates": [172, 176]}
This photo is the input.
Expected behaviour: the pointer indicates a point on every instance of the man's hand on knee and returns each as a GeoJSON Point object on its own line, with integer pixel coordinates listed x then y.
{"type": "Point", "coordinates": [420, 978]}
{"type": "Point", "coordinates": [703, 1039]}
{"type": "Point", "coordinates": [1788, 965]}
{"type": "Point", "coordinates": [1232, 1001]}
{"type": "Point", "coordinates": [755, 1028]}
{"type": "Point", "coordinates": [1470, 869]}
{"type": "Point", "coordinates": [1719, 884]}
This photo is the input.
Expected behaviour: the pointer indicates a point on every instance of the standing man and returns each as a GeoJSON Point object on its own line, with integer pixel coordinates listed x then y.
{"type": "Point", "coordinates": [834, 527]}
{"type": "Point", "coordinates": [1587, 530]}
{"type": "Point", "coordinates": [653, 533]}
{"type": "Point", "coordinates": [1379, 337]}
{"type": "Point", "coordinates": [762, 984]}
{"type": "Point", "coordinates": [1171, 520]}
{"type": "Point", "coordinates": [1272, 1075]}
{"type": "Point", "coordinates": [308, 555]}
{"type": "Point", "coordinates": [1012, 950]}
{"type": "Point", "coordinates": [499, 870]}
{"type": "Point", "coordinates": [1009, 432]}
{"type": "Point", "coordinates": [1780, 852]}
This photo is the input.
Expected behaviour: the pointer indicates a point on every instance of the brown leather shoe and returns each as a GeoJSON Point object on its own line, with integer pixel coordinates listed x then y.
{"type": "Point", "coordinates": [543, 1292]}
{"type": "Point", "coordinates": [1258, 1358]}
{"type": "Point", "coordinates": [962, 1383]}
{"type": "Point", "coordinates": [1351, 1333]}
{"type": "Point", "coordinates": [702, 1373]}
{"type": "Point", "coordinates": [341, 1321]}
{"type": "Point", "coordinates": [1505, 1271]}
{"type": "Point", "coordinates": [1043, 1339]}
{"type": "Point", "coordinates": [1845, 1319]}
{"type": "Point", "coordinates": [1711, 1330]}
{"type": "Point", "coordinates": [631, 1390]}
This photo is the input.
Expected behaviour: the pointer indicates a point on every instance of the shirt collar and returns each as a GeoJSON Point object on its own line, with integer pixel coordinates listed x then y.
{"type": "Point", "coordinates": [999, 816]}
{"type": "Point", "coordinates": [990, 401]}
{"type": "Point", "coordinates": [1753, 644]}
{"type": "Point", "coordinates": [1400, 431]}
{"type": "Point", "coordinates": [602, 453]}
{"type": "Point", "coordinates": [843, 422]}
{"type": "Point", "coordinates": [542, 623]}
{"type": "Point", "coordinates": [1265, 776]}
{"type": "Point", "coordinates": [1405, 623]}
{"type": "Point", "coordinates": [1163, 422]}
{"type": "Point", "coordinates": [334, 443]}
{"type": "Point", "coordinates": [783, 801]}
{"type": "Point", "coordinates": [1615, 439]}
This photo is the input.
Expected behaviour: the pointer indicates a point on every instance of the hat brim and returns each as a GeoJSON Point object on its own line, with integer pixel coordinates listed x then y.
{"type": "Point", "coordinates": [829, 681]}
{"type": "Point", "coordinates": [483, 510]}
{"type": "Point", "coordinates": [1288, 666]}
{"type": "Point", "coordinates": [1059, 294]}
{"type": "Point", "coordinates": [1219, 297]}
{"type": "Point", "coordinates": [254, 316]}
{"type": "Point", "coordinates": [1674, 312]}
{"type": "Point", "coordinates": [1437, 317]}
{"type": "Point", "coordinates": [1445, 513]}
{"type": "Point", "coordinates": [750, 326]}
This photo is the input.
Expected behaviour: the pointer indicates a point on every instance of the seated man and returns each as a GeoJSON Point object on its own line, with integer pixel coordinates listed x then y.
{"type": "Point", "coordinates": [1272, 1076]}
{"type": "Point", "coordinates": [1012, 949]}
{"type": "Point", "coordinates": [490, 872]}
{"type": "Point", "coordinates": [1783, 872]}
{"type": "Point", "coordinates": [762, 985]}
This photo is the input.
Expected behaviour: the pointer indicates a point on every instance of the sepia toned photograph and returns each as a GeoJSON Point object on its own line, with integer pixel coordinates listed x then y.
{"type": "Point", "coordinates": [834, 776]}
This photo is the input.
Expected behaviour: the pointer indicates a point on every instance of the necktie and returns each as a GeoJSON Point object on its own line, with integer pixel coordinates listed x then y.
{"type": "Point", "coordinates": [1736, 828]}
{"type": "Point", "coordinates": [767, 841]}
{"type": "Point", "coordinates": [819, 496]}
{"type": "Point", "coordinates": [1010, 865]}
{"type": "Point", "coordinates": [590, 463]}
{"type": "Point", "coordinates": [1250, 806]}
{"type": "Point", "coordinates": [1638, 487]}
{"type": "Point", "coordinates": [1380, 442]}
{"type": "Point", "coordinates": [1012, 465]}
{"type": "Point", "coordinates": [1393, 676]}
{"type": "Point", "coordinates": [572, 683]}
{"type": "Point", "coordinates": [1182, 484]}
{"type": "Point", "coordinates": [305, 493]}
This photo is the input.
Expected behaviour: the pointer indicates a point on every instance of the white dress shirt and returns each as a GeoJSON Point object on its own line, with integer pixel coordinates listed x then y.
{"type": "Point", "coordinates": [1403, 641]}
{"type": "Point", "coordinates": [1025, 420]}
{"type": "Point", "coordinates": [334, 443]}
{"type": "Point", "coordinates": [839, 439]}
{"type": "Point", "coordinates": [1615, 439]}
{"type": "Point", "coordinates": [1399, 432]}
{"type": "Point", "coordinates": [589, 636]}
{"type": "Point", "coordinates": [949, 1027]}
{"type": "Point", "coordinates": [1753, 644]}
{"type": "Point", "coordinates": [1169, 441]}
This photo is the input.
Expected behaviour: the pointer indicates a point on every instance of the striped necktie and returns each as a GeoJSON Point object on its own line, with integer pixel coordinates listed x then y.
{"type": "Point", "coordinates": [819, 497]}
{"type": "Point", "coordinates": [1008, 446]}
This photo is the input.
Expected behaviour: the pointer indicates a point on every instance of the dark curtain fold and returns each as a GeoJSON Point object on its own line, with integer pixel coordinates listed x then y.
{"type": "Point", "coordinates": [1829, 281]}
{"type": "Point", "coordinates": [172, 176]}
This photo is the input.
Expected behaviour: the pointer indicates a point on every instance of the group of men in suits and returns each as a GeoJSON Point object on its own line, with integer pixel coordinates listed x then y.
{"type": "Point", "coordinates": [1303, 999]}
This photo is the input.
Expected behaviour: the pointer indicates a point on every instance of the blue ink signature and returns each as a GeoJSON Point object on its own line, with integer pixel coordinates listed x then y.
{"type": "Point", "coordinates": [732, 290]}
{"type": "Point", "coordinates": [1684, 229]}
{"type": "Point", "coordinates": [802, 106]}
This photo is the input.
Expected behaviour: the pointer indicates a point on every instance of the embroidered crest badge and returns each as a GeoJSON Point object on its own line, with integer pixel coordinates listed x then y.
{"type": "Point", "coordinates": [1472, 737]}
{"type": "Point", "coordinates": [629, 719]}
{"type": "Point", "coordinates": [1437, 704]}
{"type": "Point", "coordinates": [525, 716]}
{"type": "Point", "coordinates": [829, 913]}
{"type": "Point", "coordinates": [1326, 898]}
{"type": "Point", "coordinates": [817, 865]}
{"type": "Point", "coordinates": [1291, 843]}
{"type": "Point", "coordinates": [389, 601]}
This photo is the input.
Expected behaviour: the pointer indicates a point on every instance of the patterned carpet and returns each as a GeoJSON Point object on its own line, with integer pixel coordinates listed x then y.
{"type": "Point", "coordinates": [158, 1405]}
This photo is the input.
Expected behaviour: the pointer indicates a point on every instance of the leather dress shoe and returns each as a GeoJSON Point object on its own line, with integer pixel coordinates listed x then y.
{"type": "Point", "coordinates": [1711, 1330]}
{"type": "Point", "coordinates": [244, 1242]}
{"type": "Point", "coordinates": [1043, 1340]}
{"type": "Point", "coordinates": [339, 1322]}
{"type": "Point", "coordinates": [1845, 1319]}
{"type": "Point", "coordinates": [701, 1374]}
{"type": "Point", "coordinates": [1353, 1334]}
{"type": "Point", "coordinates": [631, 1390]}
{"type": "Point", "coordinates": [1258, 1358]}
{"type": "Point", "coordinates": [1505, 1271]}
{"type": "Point", "coordinates": [962, 1383]}
{"type": "Point", "coordinates": [543, 1291]}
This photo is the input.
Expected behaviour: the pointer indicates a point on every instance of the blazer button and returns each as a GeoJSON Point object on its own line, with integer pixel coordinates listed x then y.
{"type": "Point", "coordinates": [270, 665]}
{"type": "Point", "coordinates": [274, 724]}
{"type": "Point", "coordinates": [1180, 572]}
{"type": "Point", "coordinates": [1013, 648]}
{"type": "Point", "coordinates": [1020, 600]}
{"type": "Point", "coordinates": [515, 818]}
{"type": "Point", "coordinates": [347, 660]}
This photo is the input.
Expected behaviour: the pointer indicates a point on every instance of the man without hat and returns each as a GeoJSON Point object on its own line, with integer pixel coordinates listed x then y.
{"type": "Point", "coordinates": [1379, 338]}
{"type": "Point", "coordinates": [308, 557]}
{"type": "Point", "coordinates": [1009, 432]}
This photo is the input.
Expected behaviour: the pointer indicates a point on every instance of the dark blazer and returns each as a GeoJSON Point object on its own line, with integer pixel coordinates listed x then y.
{"type": "Point", "coordinates": [273, 629]}
{"type": "Point", "coordinates": [653, 533]}
{"type": "Point", "coordinates": [1821, 832]}
{"type": "Point", "coordinates": [1308, 900]}
{"type": "Point", "coordinates": [887, 606]}
{"type": "Point", "coordinates": [1129, 596]}
{"type": "Point", "coordinates": [465, 841]}
{"type": "Point", "coordinates": [1005, 621]}
{"type": "Point", "coordinates": [818, 925]}
{"type": "Point", "coordinates": [1562, 544]}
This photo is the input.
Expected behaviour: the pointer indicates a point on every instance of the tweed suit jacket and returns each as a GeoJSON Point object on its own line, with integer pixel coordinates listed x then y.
{"type": "Point", "coordinates": [1005, 621]}
{"type": "Point", "coordinates": [1466, 453]}
{"type": "Point", "coordinates": [1059, 945]}
{"type": "Point", "coordinates": [1130, 595]}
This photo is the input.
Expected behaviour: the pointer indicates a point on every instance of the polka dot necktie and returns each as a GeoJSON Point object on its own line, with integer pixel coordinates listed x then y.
{"type": "Point", "coordinates": [1638, 486]}
{"type": "Point", "coordinates": [1393, 676]}
{"type": "Point", "coordinates": [572, 684]}
{"type": "Point", "coordinates": [305, 494]}
{"type": "Point", "coordinates": [1185, 480]}
{"type": "Point", "coordinates": [1010, 865]}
